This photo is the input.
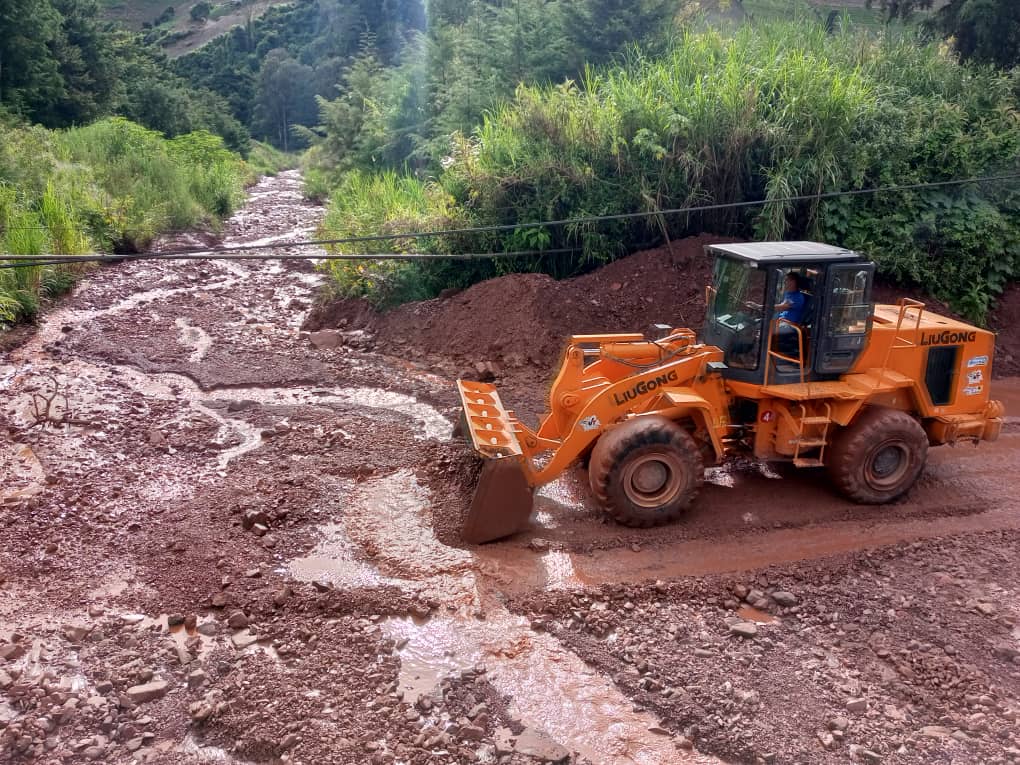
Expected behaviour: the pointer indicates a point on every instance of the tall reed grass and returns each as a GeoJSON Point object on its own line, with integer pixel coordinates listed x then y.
{"type": "Point", "coordinates": [112, 185]}
{"type": "Point", "coordinates": [767, 112]}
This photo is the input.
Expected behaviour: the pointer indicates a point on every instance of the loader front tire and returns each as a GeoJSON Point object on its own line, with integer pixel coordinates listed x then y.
{"type": "Point", "coordinates": [646, 471]}
{"type": "Point", "coordinates": [878, 457]}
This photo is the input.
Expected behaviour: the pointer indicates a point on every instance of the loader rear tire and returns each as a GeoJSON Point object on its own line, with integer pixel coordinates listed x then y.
{"type": "Point", "coordinates": [646, 471]}
{"type": "Point", "coordinates": [878, 457]}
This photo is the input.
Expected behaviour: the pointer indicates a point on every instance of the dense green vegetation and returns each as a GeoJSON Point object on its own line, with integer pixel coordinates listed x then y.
{"type": "Point", "coordinates": [768, 112]}
{"type": "Point", "coordinates": [271, 69]}
{"type": "Point", "coordinates": [60, 65]}
{"type": "Point", "coordinates": [112, 185]}
{"type": "Point", "coordinates": [466, 56]}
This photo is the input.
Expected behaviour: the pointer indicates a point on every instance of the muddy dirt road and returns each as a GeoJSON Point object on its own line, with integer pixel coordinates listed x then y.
{"type": "Point", "coordinates": [223, 542]}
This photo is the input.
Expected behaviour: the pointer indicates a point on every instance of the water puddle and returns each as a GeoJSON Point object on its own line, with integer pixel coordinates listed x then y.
{"type": "Point", "coordinates": [700, 557]}
{"type": "Point", "coordinates": [336, 560]}
{"type": "Point", "coordinates": [386, 519]}
{"type": "Point", "coordinates": [550, 687]}
{"type": "Point", "coordinates": [431, 424]}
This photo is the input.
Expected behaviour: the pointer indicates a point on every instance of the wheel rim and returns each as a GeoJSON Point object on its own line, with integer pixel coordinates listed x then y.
{"type": "Point", "coordinates": [652, 480]}
{"type": "Point", "coordinates": [887, 464]}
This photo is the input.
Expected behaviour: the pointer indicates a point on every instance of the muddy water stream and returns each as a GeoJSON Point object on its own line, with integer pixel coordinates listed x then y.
{"type": "Point", "coordinates": [579, 708]}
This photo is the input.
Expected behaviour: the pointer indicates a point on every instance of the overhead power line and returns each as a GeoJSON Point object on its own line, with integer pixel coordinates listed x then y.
{"type": "Point", "coordinates": [205, 253]}
{"type": "Point", "coordinates": [26, 261]}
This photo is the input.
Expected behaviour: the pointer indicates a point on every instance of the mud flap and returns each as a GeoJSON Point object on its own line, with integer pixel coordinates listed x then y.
{"type": "Point", "coordinates": [502, 502]}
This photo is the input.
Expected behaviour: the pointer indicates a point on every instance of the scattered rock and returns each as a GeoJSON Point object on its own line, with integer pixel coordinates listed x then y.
{"type": "Point", "coordinates": [11, 651]}
{"type": "Point", "coordinates": [139, 694]}
{"type": "Point", "coordinates": [839, 723]}
{"type": "Point", "coordinates": [538, 744]}
{"type": "Point", "coordinates": [75, 633]}
{"type": "Point", "coordinates": [237, 620]}
{"type": "Point", "coordinates": [744, 629]}
{"type": "Point", "coordinates": [857, 705]}
{"type": "Point", "coordinates": [196, 679]}
{"type": "Point", "coordinates": [243, 639]}
{"type": "Point", "coordinates": [784, 598]}
{"type": "Point", "coordinates": [326, 339]}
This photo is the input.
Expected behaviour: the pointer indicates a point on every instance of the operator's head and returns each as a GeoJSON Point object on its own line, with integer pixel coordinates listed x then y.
{"type": "Point", "coordinates": [793, 282]}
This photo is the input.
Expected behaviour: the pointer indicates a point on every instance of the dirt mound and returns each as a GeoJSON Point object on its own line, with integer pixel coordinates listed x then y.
{"type": "Point", "coordinates": [525, 318]}
{"type": "Point", "coordinates": [1005, 319]}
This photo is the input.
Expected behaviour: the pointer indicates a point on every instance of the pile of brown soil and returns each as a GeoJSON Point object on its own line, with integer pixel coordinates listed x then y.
{"type": "Point", "coordinates": [523, 318]}
{"type": "Point", "coordinates": [1005, 319]}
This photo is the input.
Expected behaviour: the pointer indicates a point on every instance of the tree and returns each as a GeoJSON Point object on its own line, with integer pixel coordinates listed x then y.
{"type": "Point", "coordinates": [900, 9]}
{"type": "Point", "coordinates": [986, 31]}
{"type": "Point", "coordinates": [284, 97]}
{"type": "Point", "coordinates": [88, 67]}
{"type": "Point", "coordinates": [600, 29]}
{"type": "Point", "coordinates": [200, 11]}
{"type": "Point", "coordinates": [29, 73]}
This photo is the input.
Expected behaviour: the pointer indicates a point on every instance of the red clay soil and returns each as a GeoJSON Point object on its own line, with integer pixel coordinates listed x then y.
{"type": "Point", "coordinates": [523, 319]}
{"type": "Point", "coordinates": [1005, 319]}
{"type": "Point", "coordinates": [664, 285]}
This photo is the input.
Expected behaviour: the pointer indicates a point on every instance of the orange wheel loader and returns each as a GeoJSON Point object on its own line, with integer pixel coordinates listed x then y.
{"type": "Point", "coordinates": [860, 389]}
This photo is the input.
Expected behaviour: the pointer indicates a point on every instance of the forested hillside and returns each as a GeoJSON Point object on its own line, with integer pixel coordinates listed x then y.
{"type": "Point", "coordinates": [61, 65]}
{"type": "Point", "coordinates": [510, 114]}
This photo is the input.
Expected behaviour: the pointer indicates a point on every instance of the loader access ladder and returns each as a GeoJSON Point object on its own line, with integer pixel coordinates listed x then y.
{"type": "Point", "coordinates": [812, 433]}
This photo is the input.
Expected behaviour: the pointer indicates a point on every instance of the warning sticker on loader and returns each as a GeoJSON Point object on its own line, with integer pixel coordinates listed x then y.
{"type": "Point", "coordinates": [590, 423]}
{"type": "Point", "coordinates": [975, 377]}
{"type": "Point", "coordinates": [972, 390]}
{"type": "Point", "coordinates": [977, 361]}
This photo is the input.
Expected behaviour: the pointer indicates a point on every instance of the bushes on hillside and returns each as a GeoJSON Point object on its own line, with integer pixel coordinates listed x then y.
{"type": "Point", "coordinates": [771, 112]}
{"type": "Point", "coordinates": [110, 185]}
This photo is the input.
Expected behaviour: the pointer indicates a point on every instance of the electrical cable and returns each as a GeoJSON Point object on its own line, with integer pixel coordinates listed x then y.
{"type": "Point", "coordinates": [212, 252]}
{"type": "Point", "coordinates": [28, 261]}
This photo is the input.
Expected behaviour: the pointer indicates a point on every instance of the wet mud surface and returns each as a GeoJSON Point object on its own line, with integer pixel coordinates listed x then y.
{"type": "Point", "coordinates": [224, 540]}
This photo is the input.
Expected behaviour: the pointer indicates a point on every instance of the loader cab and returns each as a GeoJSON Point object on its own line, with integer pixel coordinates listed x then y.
{"type": "Point", "coordinates": [745, 299]}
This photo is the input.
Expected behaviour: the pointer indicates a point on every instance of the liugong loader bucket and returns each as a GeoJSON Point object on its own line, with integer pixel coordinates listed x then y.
{"type": "Point", "coordinates": [503, 497]}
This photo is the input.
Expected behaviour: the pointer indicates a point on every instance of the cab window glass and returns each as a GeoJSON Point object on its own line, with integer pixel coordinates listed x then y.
{"type": "Point", "coordinates": [848, 304]}
{"type": "Point", "coordinates": [737, 311]}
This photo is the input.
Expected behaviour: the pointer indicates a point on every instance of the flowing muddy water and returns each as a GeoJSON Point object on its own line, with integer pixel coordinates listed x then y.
{"type": "Point", "coordinates": [549, 687]}
{"type": "Point", "coordinates": [384, 535]}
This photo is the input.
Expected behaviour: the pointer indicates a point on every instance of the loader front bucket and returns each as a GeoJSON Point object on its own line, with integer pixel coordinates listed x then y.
{"type": "Point", "coordinates": [503, 499]}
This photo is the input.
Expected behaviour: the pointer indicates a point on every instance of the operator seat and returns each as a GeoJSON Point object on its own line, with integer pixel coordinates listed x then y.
{"type": "Point", "coordinates": [787, 344]}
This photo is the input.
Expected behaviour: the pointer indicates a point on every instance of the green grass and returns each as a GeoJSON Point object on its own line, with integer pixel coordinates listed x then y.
{"type": "Point", "coordinates": [265, 159]}
{"type": "Point", "coordinates": [773, 110]}
{"type": "Point", "coordinates": [112, 185]}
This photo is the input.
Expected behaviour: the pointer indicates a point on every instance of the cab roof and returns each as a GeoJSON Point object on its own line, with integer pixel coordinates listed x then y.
{"type": "Point", "coordinates": [786, 252]}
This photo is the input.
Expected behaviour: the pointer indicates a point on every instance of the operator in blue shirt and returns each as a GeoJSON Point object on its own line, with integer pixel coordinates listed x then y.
{"type": "Point", "coordinates": [791, 309]}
